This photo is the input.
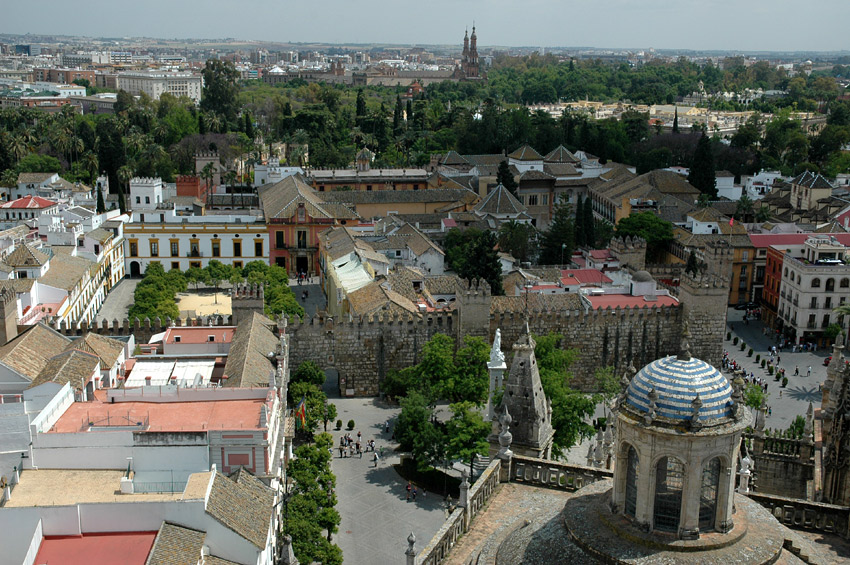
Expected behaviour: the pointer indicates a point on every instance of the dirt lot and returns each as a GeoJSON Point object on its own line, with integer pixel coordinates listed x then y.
{"type": "Point", "coordinates": [203, 303]}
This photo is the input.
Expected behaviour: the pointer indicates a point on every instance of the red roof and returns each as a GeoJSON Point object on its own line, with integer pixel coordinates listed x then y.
{"type": "Point", "coordinates": [197, 416]}
{"type": "Point", "coordinates": [450, 223]}
{"type": "Point", "coordinates": [29, 202]}
{"type": "Point", "coordinates": [199, 334]}
{"type": "Point", "coordinates": [766, 240]}
{"type": "Point", "coordinates": [572, 277]}
{"type": "Point", "coordinates": [601, 254]}
{"type": "Point", "coordinates": [96, 549]}
{"type": "Point", "coordinates": [602, 301]}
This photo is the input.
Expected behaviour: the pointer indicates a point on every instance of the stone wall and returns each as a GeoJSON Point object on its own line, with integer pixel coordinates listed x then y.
{"type": "Point", "coordinates": [782, 466]}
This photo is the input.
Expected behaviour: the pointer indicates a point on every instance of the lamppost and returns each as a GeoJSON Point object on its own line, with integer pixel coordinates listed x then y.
{"type": "Point", "coordinates": [563, 246]}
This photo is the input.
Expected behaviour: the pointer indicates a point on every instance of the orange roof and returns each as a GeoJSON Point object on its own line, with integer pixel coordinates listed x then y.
{"type": "Point", "coordinates": [162, 416]}
{"type": "Point", "coordinates": [572, 277]}
{"type": "Point", "coordinates": [602, 301]}
{"type": "Point", "coordinates": [93, 549]}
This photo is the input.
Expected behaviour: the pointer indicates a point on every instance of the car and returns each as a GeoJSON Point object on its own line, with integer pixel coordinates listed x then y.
{"type": "Point", "coordinates": [827, 360]}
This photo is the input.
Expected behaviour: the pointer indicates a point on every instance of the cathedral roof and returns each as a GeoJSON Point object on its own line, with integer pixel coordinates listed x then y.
{"type": "Point", "coordinates": [677, 383]}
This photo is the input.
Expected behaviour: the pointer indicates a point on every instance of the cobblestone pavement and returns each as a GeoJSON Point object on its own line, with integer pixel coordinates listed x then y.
{"type": "Point", "coordinates": [376, 517]}
{"type": "Point", "coordinates": [800, 390]}
{"type": "Point", "coordinates": [118, 301]}
{"type": "Point", "coordinates": [315, 300]}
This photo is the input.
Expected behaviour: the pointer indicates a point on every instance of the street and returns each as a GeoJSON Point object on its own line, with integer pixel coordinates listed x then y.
{"type": "Point", "coordinates": [795, 398]}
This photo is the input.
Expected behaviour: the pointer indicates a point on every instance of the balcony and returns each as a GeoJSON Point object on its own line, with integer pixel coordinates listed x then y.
{"type": "Point", "coordinates": [194, 254]}
{"type": "Point", "coordinates": [796, 302]}
{"type": "Point", "coordinates": [811, 326]}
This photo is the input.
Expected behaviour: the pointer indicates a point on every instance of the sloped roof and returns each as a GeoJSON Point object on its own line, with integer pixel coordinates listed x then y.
{"type": "Point", "coordinates": [560, 169]}
{"type": "Point", "coordinates": [66, 271]}
{"type": "Point", "coordinates": [108, 350]}
{"type": "Point", "coordinates": [354, 197]}
{"type": "Point", "coordinates": [176, 545]}
{"type": "Point", "coordinates": [26, 256]}
{"type": "Point", "coordinates": [560, 155]}
{"type": "Point", "coordinates": [536, 303]}
{"type": "Point", "coordinates": [453, 158]}
{"type": "Point", "coordinates": [29, 178]}
{"type": "Point", "coordinates": [811, 180]}
{"type": "Point", "coordinates": [100, 235]}
{"type": "Point", "coordinates": [243, 506]}
{"type": "Point", "coordinates": [247, 363]}
{"type": "Point", "coordinates": [282, 199]}
{"type": "Point", "coordinates": [526, 153]}
{"type": "Point", "coordinates": [500, 201]}
{"type": "Point", "coordinates": [71, 366]}
{"type": "Point", "coordinates": [418, 242]}
{"type": "Point", "coordinates": [534, 174]}
{"type": "Point", "coordinates": [29, 352]}
{"type": "Point", "coordinates": [28, 202]}
{"type": "Point", "coordinates": [374, 298]}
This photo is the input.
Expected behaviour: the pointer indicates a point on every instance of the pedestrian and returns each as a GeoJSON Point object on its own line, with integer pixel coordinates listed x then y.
{"type": "Point", "coordinates": [340, 451]}
{"type": "Point", "coordinates": [796, 370]}
{"type": "Point", "coordinates": [375, 458]}
{"type": "Point", "coordinates": [357, 446]}
{"type": "Point", "coordinates": [769, 411]}
{"type": "Point", "coordinates": [387, 427]}
{"type": "Point", "coordinates": [409, 488]}
{"type": "Point", "coordinates": [780, 394]}
{"type": "Point", "coordinates": [778, 359]}
{"type": "Point", "coordinates": [809, 371]}
{"type": "Point", "coordinates": [306, 294]}
{"type": "Point", "coordinates": [414, 494]}
{"type": "Point", "coordinates": [358, 436]}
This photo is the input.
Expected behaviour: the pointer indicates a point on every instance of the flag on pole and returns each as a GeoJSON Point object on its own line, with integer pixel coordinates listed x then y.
{"type": "Point", "coordinates": [301, 413]}
{"type": "Point", "coordinates": [732, 221]}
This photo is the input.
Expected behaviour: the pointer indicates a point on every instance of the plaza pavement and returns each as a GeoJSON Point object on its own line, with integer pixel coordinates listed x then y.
{"type": "Point", "coordinates": [800, 390]}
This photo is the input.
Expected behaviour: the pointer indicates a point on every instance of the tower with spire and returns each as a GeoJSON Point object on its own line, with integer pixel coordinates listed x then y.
{"type": "Point", "coordinates": [469, 66]}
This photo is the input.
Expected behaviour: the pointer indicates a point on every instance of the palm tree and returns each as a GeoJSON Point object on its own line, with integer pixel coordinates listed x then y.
{"type": "Point", "coordinates": [744, 209]}
{"type": "Point", "coordinates": [213, 122]}
{"type": "Point", "coordinates": [91, 164]}
{"type": "Point", "coordinates": [763, 214]}
{"type": "Point", "coordinates": [207, 173]}
{"type": "Point", "coordinates": [704, 201]}
{"type": "Point", "coordinates": [124, 173]}
{"type": "Point", "coordinates": [19, 147]}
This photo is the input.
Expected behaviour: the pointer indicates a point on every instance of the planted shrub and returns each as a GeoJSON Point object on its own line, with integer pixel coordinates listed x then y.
{"type": "Point", "coordinates": [750, 352]}
{"type": "Point", "coordinates": [762, 363]}
{"type": "Point", "coordinates": [758, 356]}
{"type": "Point", "coordinates": [784, 382]}
{"type": "Point", "coordinates": [728, 336]}
{"type": "Point", "coordinates": [770, 369]}
{"type": "Point", "coordinates": [735, 341]}
{"type": "Point", "coordinates": [351, 424]}
{"type": "Point", "coordinates": [339, 424]}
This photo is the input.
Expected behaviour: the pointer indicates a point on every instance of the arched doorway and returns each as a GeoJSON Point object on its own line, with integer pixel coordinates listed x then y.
{"type": "Point", "coordinates": [135, 269]}
{"type": "Point", "coordinates": [708, 495]}
{"type": "Point", "coordinates": [669, 480]}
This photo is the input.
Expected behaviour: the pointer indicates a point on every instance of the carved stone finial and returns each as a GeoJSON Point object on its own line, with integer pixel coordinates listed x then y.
{"type": "Point", "coordinates": [685, 348]}
{"type": "Point", "coordinates": [497, 358]}
{"type": "Point", "coordinates": [505, 436]}
{"type": "Point", "coordinates": [696, 405]}
{"type": "Point", "coordinates": [651, 413]}
{"type": "Point", "coordinates": [809, 427]}
{"type": "Point", "coordinates": [410, 552]}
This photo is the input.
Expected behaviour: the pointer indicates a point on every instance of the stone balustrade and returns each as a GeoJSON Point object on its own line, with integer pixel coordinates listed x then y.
{"type": "Point", "coordinates": [551, 474]}
{"type": "Point", "coordinates": [805, 514]}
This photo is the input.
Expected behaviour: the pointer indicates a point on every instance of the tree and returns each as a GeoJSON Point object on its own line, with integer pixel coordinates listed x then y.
{"type": "Point", "coordinates": [220, 94]}
{"type": "Point", "coordinates": [466, 433]}
{"type": "Point", "coordinates": [360, 104]}
{"type": "Point", "coordinates": [832, 331]}
{"type": "Point", "coordinates": [124, 173]}
{"type": "Point", "coordinates": [417, 433]}
{"type": "Point", "coordinates": [657, 232]}
{"type": "Point", "coordinates": [505, 177]}
{"type": "Point", "coordinates": [744, 208]}
{"type": "Point", "coordinates": [701, 174]}
{"type": "Point", "coordinates": [249, 127]}
{"type": "Point", "coordinates": [196, 276]}
{"type": "Point", "coordinates": [308, 372]}
{"type": "Point", "coordinates": [704, 201]}
{"type": "Point", "coordinates": [398, 116]}
{"type": "Point", "coordinates": [217, 272]}
{"type": "Point", "coordinates": [314, 402]}
{"type": "Point", "coordinates": [754, 396]}
{"type": "Point", "coordinates": [693, 265]}
{"type": "Point", "coordinates": [570, 409]}
{"type": "Point", "coordinates": [559, 239]}
{"type": "Point", "coordinates": [676, 120]}
{"type": "Point", "coordinates": [472, 254]}
{"type": "Point", "coordinates": [517, 238]}
{"type": "Point", "coordinates": [588, 223]}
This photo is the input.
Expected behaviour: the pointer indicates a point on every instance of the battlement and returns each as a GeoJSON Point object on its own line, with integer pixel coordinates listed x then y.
{"type": "Point", "coordinates": [248, 291]}
{"type": "Point", "coordinates": [146, 181]}
{"type": "Point", "coordinates": [206, 155]}
{"type": "Point", "coordinates": [480, 288]}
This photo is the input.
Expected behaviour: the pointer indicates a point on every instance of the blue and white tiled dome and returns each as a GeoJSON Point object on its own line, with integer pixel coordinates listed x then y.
{"type": "Point", "coordinates": [677, 383]}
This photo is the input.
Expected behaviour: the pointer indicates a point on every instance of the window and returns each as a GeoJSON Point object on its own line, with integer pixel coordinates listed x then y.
{"type": "Point", "coordinates": [237, 249]}
{"type": "Point", "coordinates": [154, 248]}
{"type": "Point", "coordinates": [786, 272]}
{"type": "Point", "coordinates": [825, 321]}
{"type": "Point", "coordinates": [669, 478]}
{"type": "Point", "coordinates": [210, 338]}
{"type": "Point", "coordinates": [97, 249]}
{"type": "Point", "coordinates": [398, 252]}
{"type": "Point", "coordinates": [708, 495]}
{"type": "Point", "coordinates": [194, 264]}
{"type": "Point", "coordinates": [175, 265]}
{"type": "Point", "coordinates": [302, 239]}
{"type": "Point", "coordinates": [147, 199]}
{"type": "Point", "coordinates": [175, 249]}
{"type": "Point", "coordinates": [743, 276]}
{"type": "Point", "coordinates": [630, 506]}
{"type": "Point", "coordinates": [814, 303]}
{"type": "Point", "coordinates": [194, 248]}
{"type": "Point", "coordinates": [177, 339]}
{"type": "Point", "coordinates": [302, 213]}
{"type": "Point", "coordinates": [138, 200]}
{"type": "Point", "coordinates": [532, 200]}
{"type": "Point", "coordinates": [369, 187]}
{"type": "Point", "coordinates": [81, 242]}
{"type": "Point", "coordinates": [827, 303]}
{"type": "Point", "coordinates": [278, 240]}
{"type": "Point", "coordinates": [830, 285]}
{"type": "Point", "coordinates": [134, 249]}
{"type": "Point", "coordinates": [237, 264]}
{"type": "Point", "coordinates": [815, 283]}
{"type": "Point", "coordinates": [812, 320]}
{"type": "Point", "coordinates": [216, 249]}
{"type": "Point", "coordinates": [258, 248]}
{"type": "Point", "coordinates": [280, 262]}
{"type": "Point", "coordinates": [845, 283]}
{"type": "Point", "coordinates": [544, 200]}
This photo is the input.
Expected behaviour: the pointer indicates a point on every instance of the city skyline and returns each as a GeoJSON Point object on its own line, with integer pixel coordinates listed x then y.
{"type": "Point", "coordinates": [613, 24]}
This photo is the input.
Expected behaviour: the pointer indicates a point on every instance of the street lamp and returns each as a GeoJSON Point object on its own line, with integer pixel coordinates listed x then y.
{"type": "Point", "coordinates": [563, 246]}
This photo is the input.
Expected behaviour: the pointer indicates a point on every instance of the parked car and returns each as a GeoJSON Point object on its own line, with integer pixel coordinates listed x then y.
{"type": "Point", "coordinates": [827, 360]}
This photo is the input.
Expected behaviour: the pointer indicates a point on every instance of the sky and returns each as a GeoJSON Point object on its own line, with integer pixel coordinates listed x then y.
{"type": "Point", "coordinates": [734, 25]}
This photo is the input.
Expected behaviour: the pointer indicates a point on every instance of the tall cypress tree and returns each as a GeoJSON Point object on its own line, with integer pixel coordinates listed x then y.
{"type": "Point", "coordinates": [505, 177]}
{"type": "Point", "coordinates": [676, 121]}
{"type": "Point", "coordinates": [702, 168]}
{"type": "Point", "coordinates": [579, 226]}
{"type": "Point", "coordinates": [101, 205]}
{"type": "Point", "coordinates": [588, 223]}
{"type": "Point", "coordinates": [397, 115]}
{"type": "Point", "coordinates": [249, 126]}
{"type": "Point", "coordinates": [360, 105]}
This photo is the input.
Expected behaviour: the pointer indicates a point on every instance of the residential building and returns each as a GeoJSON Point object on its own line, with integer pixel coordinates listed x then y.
{"type": "Point", "coordinates": [815, 279]}
{"type": "Point", "coordinates": [177, 241]}
{"type": "Point", "coordinates": [272, 172]}
{"type": "Point", "coordinates": [25, 209]}
{"type": "Point", "coordinates": [617, 195]}
{"type": "Point", "coordinates": [365, 178]}
{"type": "Point", "coordinates": [295, 215]}
{"type": "Point", "coordinates": [381, 203]}
{"type": "Point", "coordinates": [155, 83]}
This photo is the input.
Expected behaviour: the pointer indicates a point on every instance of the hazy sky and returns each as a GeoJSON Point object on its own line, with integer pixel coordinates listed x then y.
{"type": "Point", "coordinates": [776, 25]}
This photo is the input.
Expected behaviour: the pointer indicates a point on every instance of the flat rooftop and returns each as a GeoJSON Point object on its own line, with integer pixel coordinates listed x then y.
{"type": "Point", "coordinates": [198, 334]}
{"type": "Point", "coordinates": [97, 549]}
{"type": "Point", "coordinates": [66, 487]}
{"type": "Point", "coordinates": [178, 416]}
{"type": "Point", "coordinates": [602, 301]}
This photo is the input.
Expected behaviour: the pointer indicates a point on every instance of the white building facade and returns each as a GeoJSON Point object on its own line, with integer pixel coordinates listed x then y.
{"type": "Point", "coordinates": [154, 84]}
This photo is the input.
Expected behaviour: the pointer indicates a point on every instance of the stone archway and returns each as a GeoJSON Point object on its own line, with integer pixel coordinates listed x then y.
{"type": "Point", "coordinates": [135, 269]}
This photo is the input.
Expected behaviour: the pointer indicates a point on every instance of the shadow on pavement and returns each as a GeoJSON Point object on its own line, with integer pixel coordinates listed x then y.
{"type": "Point", "coordinates": [800, 393]}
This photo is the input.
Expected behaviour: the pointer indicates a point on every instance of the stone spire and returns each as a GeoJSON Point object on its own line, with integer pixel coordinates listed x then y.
{"type": "Point", "coordinates": [685, 347]}
{"type": "Point", "coordinates": [526, 401]}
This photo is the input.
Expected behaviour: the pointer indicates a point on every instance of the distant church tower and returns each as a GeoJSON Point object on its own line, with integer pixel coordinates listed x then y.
{"type": "Point", "coordinates": [469, 65]}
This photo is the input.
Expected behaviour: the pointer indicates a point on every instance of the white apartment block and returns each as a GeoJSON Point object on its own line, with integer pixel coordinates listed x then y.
{"type": "Point", "coordinates": [181, 242]}
{"type": "Point", "coordinates": [154, 84]}
{"type": "Point", "coordinates": [815, 279]}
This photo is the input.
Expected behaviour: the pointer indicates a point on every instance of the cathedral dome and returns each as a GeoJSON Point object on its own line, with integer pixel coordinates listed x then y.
{"type": "Point", "coordinates": [642, 276]}
{"type": "Point", "coordinates": [677, 383]}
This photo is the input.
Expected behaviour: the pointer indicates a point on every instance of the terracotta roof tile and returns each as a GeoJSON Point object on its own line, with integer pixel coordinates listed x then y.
{"type": "Point", "coordinates": [244, 507]}
{"type": "Point", "coordinates": [108, 350]}
{"type": "Point", "coordinates": [26, 256]}
{"type": "Point", "coordinates": [176, 545]}
{"type": "Point", "coordinates": [526, 153]}
{"type": "Point", "coordinates": [71, 366]}
{"type": "Point", "coordinates": [248, 363]}
{"type": "Point", "coordinates": [29, 352]}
